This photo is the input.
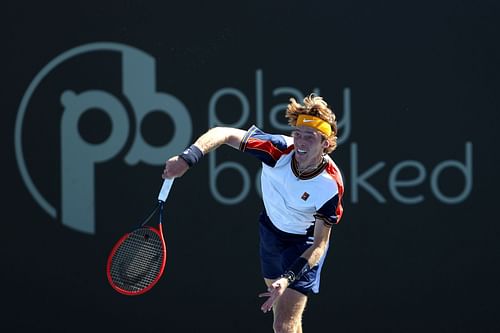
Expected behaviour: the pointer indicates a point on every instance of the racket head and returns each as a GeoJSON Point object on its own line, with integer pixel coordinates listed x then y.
{"type": "Point", "coordinates": [137, 261]}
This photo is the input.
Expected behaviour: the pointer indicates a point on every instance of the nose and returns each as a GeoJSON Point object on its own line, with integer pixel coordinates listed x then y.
{"type": "Point", "coordinates": [300, 143]}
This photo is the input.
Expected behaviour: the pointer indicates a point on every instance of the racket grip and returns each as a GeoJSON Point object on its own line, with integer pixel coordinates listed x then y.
{"type": "Point", "coordinates": [165, 189]}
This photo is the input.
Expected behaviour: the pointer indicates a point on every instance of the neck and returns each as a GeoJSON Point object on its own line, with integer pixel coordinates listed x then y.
{"type": "Point", "coordinates": [310, 166]}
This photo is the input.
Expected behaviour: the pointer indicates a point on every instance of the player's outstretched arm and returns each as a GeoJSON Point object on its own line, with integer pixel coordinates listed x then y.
{"type": "Point", "coordinates": [177, 166]}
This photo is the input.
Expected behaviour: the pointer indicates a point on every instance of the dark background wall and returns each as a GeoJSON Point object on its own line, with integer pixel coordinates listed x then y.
{"type": "Point", "coordinates": [415, 87]}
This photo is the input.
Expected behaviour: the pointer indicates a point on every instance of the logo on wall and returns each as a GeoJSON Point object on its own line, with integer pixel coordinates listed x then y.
{"type": "Point", "coordinates": [78, 157]}
{"type": "Point", "coordinates": [121, 84]}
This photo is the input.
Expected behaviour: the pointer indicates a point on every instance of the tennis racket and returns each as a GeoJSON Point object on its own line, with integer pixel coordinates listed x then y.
{"type": "Point", "coordinates": [137, 260]}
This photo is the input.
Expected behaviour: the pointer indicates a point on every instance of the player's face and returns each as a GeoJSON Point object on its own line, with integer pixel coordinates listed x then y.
{"type": "Point", "coordinates": [309, 145]}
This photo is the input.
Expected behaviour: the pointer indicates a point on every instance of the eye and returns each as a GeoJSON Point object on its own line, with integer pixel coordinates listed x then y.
{"type": "Point", "coordinates": [308, 137]}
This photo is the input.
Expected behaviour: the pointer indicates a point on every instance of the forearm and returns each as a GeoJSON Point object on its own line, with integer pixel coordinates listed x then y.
{"type": "Point", "coordinates": [305, 262]}
{"type": "Point", "coordinates": [177, 166]}
{"type": "Point", "coordinates": [314, 253]}
{"type": "Point", "coordinates": [311, 256]}
{"type": "Point", "coordinates": [318, 248]}
{"type": "Point", "coordinates": [218, 136]}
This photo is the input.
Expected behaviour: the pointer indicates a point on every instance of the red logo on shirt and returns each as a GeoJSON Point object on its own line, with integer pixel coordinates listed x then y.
{"type": "Point", "coordinates": [305, 196]}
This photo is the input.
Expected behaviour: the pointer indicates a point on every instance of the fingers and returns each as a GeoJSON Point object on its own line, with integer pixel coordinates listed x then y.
{"type": "Point", "coordinates": [267, 306]}
{"type": "Point", "coordinates": [274, 291]}
{"type": "Point", "coordinates": [166, 174]}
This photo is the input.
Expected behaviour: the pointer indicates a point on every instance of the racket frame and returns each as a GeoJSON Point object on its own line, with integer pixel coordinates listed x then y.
{"type": "Point", "coordinates": [162, 196]}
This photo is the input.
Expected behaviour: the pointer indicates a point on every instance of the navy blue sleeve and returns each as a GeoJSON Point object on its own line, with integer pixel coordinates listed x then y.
{"type": "Point", "coordinates": [330, 211]}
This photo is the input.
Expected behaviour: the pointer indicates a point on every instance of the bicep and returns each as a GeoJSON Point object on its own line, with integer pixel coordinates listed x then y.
{"type": "Point", "coordinates": [234, 137]}
{"type": "Point", "coordinates": [220, 135]}
{"type": "Point", "coordinates": [322, 232]}
{"type": "Point", "coordinates": [326, 216]}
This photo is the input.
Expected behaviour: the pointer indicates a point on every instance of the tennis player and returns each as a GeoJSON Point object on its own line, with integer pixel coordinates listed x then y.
{"type": "Point", "coordinates": [302, 192]}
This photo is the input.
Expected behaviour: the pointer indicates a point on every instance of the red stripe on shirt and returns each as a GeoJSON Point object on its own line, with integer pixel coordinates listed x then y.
{"type": "Point", "coordinates": [267, 147]}
{"type": "Point", "coordinates": [334, 172]}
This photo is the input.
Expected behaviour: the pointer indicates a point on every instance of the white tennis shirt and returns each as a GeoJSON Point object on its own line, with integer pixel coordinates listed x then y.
{"type": "Point", "coordinates": [293, 201]}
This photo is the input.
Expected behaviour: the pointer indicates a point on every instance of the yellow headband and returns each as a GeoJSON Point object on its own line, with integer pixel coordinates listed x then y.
{"type": "Point", "coordinates": [315, 122]}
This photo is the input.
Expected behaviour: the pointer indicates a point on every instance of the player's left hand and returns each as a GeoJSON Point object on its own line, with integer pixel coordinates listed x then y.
{"type": "Point", "coordinates": [275, 290]}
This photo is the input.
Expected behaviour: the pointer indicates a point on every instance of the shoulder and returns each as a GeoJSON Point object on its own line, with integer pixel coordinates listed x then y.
{"type": "Point", "coordinates": [333, 173]}
{"type": "Point", "coordinates": [255, 137]}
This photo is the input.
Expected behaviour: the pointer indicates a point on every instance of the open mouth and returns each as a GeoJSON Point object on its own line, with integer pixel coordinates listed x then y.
{"type": "Point", "coordinates": [301, 152]}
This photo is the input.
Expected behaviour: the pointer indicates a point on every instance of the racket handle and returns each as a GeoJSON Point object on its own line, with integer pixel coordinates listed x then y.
{"type": "Point", "coordinates": [165, 189]}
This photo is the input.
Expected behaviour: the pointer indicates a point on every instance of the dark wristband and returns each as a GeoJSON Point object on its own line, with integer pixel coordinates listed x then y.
{"type": "Point", "coordinates": [296, 270]}
{"type": "Point", "coordinates": [191, 155]}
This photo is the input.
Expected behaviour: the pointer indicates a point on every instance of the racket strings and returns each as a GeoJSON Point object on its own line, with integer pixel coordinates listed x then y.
{"type": "Point", "coordinates": [138, 260]}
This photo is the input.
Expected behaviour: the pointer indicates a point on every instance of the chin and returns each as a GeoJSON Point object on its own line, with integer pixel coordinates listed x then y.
{"type": "Point", "coordinates": [301, 158]}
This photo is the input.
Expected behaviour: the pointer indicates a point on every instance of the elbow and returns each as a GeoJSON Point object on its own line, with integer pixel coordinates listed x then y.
{"type": "Point", "coordinates": [220, 132]}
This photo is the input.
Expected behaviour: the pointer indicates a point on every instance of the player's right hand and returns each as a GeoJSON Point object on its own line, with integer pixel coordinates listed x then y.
{"type": "Point", "coordinates": [175, 167]}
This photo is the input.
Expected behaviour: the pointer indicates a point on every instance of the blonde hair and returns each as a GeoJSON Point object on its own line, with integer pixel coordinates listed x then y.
{"type": "Point", "coordinates": [314, 106]}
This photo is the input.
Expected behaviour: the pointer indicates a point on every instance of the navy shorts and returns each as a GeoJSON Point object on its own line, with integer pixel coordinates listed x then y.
{"type": "Point", "coordinates": [278, 250]}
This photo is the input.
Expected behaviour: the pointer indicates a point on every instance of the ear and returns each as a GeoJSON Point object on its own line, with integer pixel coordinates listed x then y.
{"type": "Point", "coordinates": [326, 143]}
